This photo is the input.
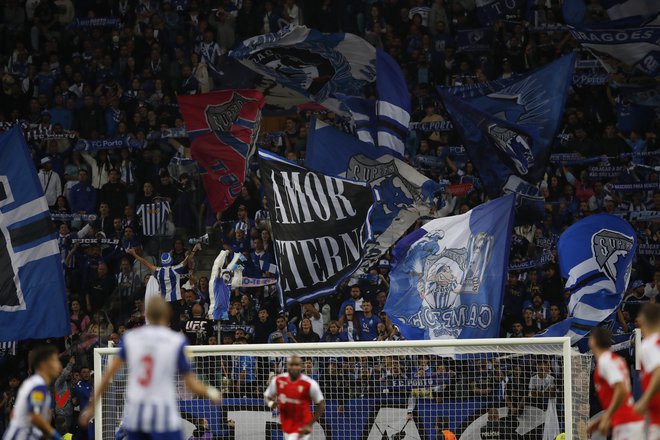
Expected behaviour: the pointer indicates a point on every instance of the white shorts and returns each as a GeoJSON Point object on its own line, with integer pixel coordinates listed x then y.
{"type": "Point", "coordinates": [297, 436]}
{"type": "Point", "coordinates": [654, 432]}
{"type": "Point", "coordinates": [628, 431]}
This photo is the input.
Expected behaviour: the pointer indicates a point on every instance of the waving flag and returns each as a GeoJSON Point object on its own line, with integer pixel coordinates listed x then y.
{"type": "Point", "coordinates": [320, 226]}
{"type": "Point", "coordinates": [385, 121]}
{"type": "Point", "coordinates": [225, 274]}
{"type": "Point", "coordinates": [617, 9]}
{"type": "Point", "coordinates": [32, 293]}
{"type": "Point", "coordinates": [447, 278]}
{"type": "Point", "coordinates": [404, 193]}
{"type": "Point", "coordinates": [630, 45]}
{"type": "Point", "coordinates": [313, 64]}
{"type": "Point", "coordinates": [595, 255]}
{"type": "Point", "coordinates": [223, 127]}
{"type": "Point", "coordinates": [508, 126]}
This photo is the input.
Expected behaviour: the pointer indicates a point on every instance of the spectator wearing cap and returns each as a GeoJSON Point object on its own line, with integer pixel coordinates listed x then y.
{"type": "Point", "coordinates": [82, 197]}
{"type": "Point", "coordinates": [168, 276]}
{"type": "Point", "coordinates": [50, 181]}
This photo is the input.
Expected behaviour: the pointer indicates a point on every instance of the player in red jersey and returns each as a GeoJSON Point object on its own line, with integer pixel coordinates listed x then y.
{"type": "Point", "coordinates": [293, 393]}
{"type": "Point", "coordinates": [649, 403]}
{"type": "Point", "coordinates": [612, 380]}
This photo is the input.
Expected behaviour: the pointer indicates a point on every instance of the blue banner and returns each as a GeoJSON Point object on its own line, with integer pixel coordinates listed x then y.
{"type": "Point", "coordinates": [109, 144]}
{"type": "Point", "coordinates": [315, 65]}
{"type": "Point", "coordinates": [447, 279]}
{"type": "Point", "coordinates": [630, 45]}
{"type": "Point", "coordinates": [404, 193]}
{"type": "Point", "coordinates": [595, 256]}
{"type": "Point", "coordinates": [33, 301]}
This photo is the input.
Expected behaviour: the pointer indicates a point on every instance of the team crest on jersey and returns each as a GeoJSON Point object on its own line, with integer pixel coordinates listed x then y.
{"type": "Point", "coordinates": [220, 117]}
{"type": "Point", "coordinates": [610, 247]}
{"type": "Point", "coordinates": [300, 388]}
{"type": "Point", "coordinates": [37, 397]}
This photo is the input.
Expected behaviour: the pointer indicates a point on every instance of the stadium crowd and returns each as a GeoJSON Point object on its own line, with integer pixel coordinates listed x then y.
{"type": "Point", "coordinates": [120, 77]}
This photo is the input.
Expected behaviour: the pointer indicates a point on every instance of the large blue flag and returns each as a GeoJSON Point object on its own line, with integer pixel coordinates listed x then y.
{"type": "Point", "coordinates": [447, 279]}
{"type": "Point", "coordinates": [316, 65]}
{"type": "Point", "coordinates": [32, 292]}
{"type": "Point", "coordinates": [384, 121]}
{"type": "Point", "coordinates": [595, 256]}
{"type": "Point", "coordinates": [630, 45]}
{"type": "Point", "coordinates": [404, 193]}
{"type": "Point", "coordinates": [508, 126]}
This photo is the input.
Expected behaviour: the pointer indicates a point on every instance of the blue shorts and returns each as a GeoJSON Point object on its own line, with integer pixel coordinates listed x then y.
{"type": "Point", "coordinates": [173, 435]}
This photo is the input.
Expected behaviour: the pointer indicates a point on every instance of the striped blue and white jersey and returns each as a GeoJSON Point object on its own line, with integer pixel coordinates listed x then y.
{"type": "Point", "coordinates": [154, 355]}
{"type": "Point", "coordinates": [169, 281]}
{"type": "Point", "coordinates": [33, 398]}
{"type": "Point", "coordinates": [153, 216]}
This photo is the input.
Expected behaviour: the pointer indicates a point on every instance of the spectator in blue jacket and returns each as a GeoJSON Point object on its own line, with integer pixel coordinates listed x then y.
{"type": "Point", "coordinates": [82, 197]}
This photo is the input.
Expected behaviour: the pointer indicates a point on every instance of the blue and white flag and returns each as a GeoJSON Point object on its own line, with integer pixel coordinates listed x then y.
{"type": "Point", "coordinates": [490, 11]}
{"type": "Point", "coordinates": [447, 278]}
{"type": "Point", "coordinates": [32, 293]}
{"type": "Point", "coordinates": [630, 45]}
{"type": "Point", "coordinates": [595, 256]}
{"type": "Point", "coordinates": [617, 9]}
{"type": "Point", "coordinates": [508, 126]}
{"type": "Point", "coordinates": [475, 40]}
{"type": "Point", "coordinates": [385, 121]}
{"type": "Point", "coordinates": [225, 273]}
{"type": "Point", "coordinates": [314, 64]}
{"type": "Point", "coordinates": [404, 194]}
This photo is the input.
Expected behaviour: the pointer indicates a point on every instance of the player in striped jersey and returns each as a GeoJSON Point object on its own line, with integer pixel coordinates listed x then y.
{"type": "Point", "coordinates": [649, 403]}
{"type": "Point", "coordinates": [168, 276]}
{"type": "Point", "coordinates": [30, 419]}
{"type": "Point", "coordinates": [154, 355]}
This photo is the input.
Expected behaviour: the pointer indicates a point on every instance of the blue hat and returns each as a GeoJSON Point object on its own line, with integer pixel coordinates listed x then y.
{"type": "Point", "coordinates": [165, 259]}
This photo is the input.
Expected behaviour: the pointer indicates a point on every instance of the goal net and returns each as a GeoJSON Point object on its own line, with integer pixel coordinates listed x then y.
{"type": "Point", "coordinates": [497, 388]}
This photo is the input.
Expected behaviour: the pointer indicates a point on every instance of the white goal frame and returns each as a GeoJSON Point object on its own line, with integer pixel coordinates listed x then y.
{"type": "Point", "coordinates": [504, 346]}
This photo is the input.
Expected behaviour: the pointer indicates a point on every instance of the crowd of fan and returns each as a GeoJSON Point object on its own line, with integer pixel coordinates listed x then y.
{"type": "Point", "coordinates": [105, 82]}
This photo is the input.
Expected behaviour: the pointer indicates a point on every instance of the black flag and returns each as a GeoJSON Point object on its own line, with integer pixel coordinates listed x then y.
{"type": "Point", "coordinates": [320, 225]}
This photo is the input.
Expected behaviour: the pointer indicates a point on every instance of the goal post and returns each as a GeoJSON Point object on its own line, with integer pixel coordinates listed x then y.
{"type": "Point", "coordinates": [532, 387]}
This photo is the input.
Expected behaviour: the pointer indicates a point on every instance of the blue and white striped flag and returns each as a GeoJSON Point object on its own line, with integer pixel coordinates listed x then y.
{"type": "Point", "coordinates": [385, 121]}
{"type": "Point", "coordinates": [595, 255]}
{"type": "Point", "coordinates": [32, 292]}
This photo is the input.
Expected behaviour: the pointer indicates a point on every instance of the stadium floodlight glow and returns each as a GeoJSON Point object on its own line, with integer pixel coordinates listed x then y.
{"type": "Point", "coordinates": [395, 389]}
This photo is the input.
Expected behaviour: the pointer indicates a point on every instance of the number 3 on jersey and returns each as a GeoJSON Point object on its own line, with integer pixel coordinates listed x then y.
{"type": "Point", "coordinates": [147, 363]}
